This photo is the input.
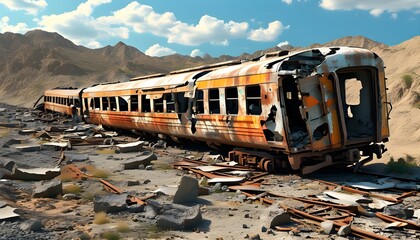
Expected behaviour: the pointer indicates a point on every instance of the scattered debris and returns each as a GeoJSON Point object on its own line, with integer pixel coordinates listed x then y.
{"type": "Point", "coordinates": [48, 189]}
{"type": "Point", "coordinates": [187, 191]}
{"type": "Point", "coordinates": [143, 159]}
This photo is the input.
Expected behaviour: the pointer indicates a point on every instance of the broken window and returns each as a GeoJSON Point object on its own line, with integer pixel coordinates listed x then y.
{"type": "Point", "coordinates": [231, 100]}
{"type": "Point", "coordinates": [158, 105]}
{"type": "Point", "coordinates": [145, 104]}
{"type": "Point", "coordinates": [182, 102]}
{"type": "Point", "coordinates": [76, 102]}
{"type": "Point", "coordinates": [214, 102]}
{"type": "Point", "coordinates": [199, 101]}
{"type": "Point", "coordinates": [352, 98]}
{"type": "Point", "coordinates": [113, 103]}
{"type": "Point", "coordinates": [96, 103]}
{"type": "Point", "coordinates": [253, 100]}
{"type": "Point", "coordinates": [123, 104]}
{"type": "Point", "coordinates": [170, 104]}
{"type": "Point", "coordinates": [105, 104]}
{"type": "Point", "coordinates": [134, 103]}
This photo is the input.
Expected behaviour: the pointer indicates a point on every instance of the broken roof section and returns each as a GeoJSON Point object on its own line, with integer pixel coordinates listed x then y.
{"type": "Point", "coordinates": [164, 82]}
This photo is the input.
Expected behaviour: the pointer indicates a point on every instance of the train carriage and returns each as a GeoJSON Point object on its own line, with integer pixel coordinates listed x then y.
{"type": "Point", "coordinates": [62, 100]}
{"type": "Point", "coordinates": [317, 106]}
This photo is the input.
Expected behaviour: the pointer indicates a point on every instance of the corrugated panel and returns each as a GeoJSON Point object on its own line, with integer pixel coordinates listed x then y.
{"type": "Point", "coordinates": [167, 82]}
{"type": "Point", "coordinates": [62, 92]}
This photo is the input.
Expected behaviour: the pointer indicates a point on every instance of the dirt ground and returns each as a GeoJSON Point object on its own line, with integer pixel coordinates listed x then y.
{"type": "Point", "coordinates": [226, 214]}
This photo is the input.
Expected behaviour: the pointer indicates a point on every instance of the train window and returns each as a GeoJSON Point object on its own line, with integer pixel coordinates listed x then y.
{"type": "Point", "coordinates": [231, 100]}
{"type": "Point", "coordinates": [182, 102]}
{"type": "Point", "coordinates": [158, 105]}
{"type": "Point", "coordinates": [134, 103]}
{"type": "Point", "coordinates": [199, 101]}
{"type": "Point", "coordinates": [214, 101]}
{"type": "Point", "coordinates": [113, 103]}
{"type": "Point", "coordinates": [76, 102]}
{"type": "Point", "coordinates": [170, 104]}
{"type": "Point", "coordinates": [97, 103]}
{"type": "Point", "coordinates": [105, 104]}
{"type": "Point", "coordinates": [353, 87]}
{"type": "Point", "coordinates": [123, 104]}
{"type": "Point", "coordinates": [145, 104]}
{"type": "Point", "coordinates": [253, 100]}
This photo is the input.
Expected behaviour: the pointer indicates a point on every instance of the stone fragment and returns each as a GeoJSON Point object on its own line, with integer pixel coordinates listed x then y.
{"type": "Point", "coordinates": [110, 203]}
{"type": "Point", "coordinates": [149, 167]}
{"type": "Point", "coordinates": [255, 237]}
{"type": "Point", "coordinates": [130, 147]}
{"type": "Point", "coordinates": [344, 230]}
{"type": "Point", "coordinates": [187, 191]}
{"type": "Point", "coordinates": [175, 216]}
{"type": "Point", "coordinates": [133, 183]}
{"type": "Point", "coordinates": [31, 225]}
{"type": "Point", "coordinates": [396, 210]}
{"type": "Point", "coordinates": [48, 189]}
{"type": "Point", "coordinates": [135, 163]}
{"type": "Point", "coordinates": [327, 226]}
{"type": "Point", "coordinates": [274, 216]}
{"type": "Point", "coordinates": [70, 196]}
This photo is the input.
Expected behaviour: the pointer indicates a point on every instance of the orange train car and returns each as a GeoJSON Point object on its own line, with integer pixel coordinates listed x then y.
{"type": "Point", "coordinates": [310, 109]}
{"type": "Point", "coordinates": [63, 100]}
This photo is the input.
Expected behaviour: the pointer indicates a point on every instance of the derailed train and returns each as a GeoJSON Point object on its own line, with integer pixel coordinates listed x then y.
{"type": "Point", "coordinates": [309, 109]}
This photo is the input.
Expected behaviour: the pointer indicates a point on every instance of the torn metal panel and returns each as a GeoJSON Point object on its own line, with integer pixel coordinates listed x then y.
{"type": "Point", "coordinates": [34, 174]}
{"type": "Point", "coordinates": [7, 213]}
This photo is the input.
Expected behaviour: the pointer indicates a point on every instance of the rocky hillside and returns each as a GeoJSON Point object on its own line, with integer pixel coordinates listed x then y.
{"type": "Point", "coordinates": [39, 60]}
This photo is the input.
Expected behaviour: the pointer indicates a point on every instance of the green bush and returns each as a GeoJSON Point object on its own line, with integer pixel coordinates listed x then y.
{"type": "Point", "coordinates": [408, 80]}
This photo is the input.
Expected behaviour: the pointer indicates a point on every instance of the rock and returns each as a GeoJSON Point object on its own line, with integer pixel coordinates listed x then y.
{"type": "Point", "coordinates": [135, 163]}
{"type": "Point", "coordinates": [263, 229]}
{"type": "Point", "coordinates": [159, 144]}
{"type": "Point", "coordinates": [149, 167]}
{"type": "Point", "coordinates": [244, 226]}
{"type": "Point", "coordinates": [327, 226]}
{"type": "Point", "coordinates": [217, 188]}
{"type": "Point", "coordinates": [133, 183]}
{"type": "Point", "coordinates": [275, 216]}
{"type": "Point", "coordinates": [175, 216]}
{"type": "Point", "coordinates": [187, 191]}
{"type": "Point", "coordinates": [48, 189]}
{"type": "Point", "coordinates": [110, 203]}
{"type": "Point", "coordinates": [344, 230]}
{"type": "Point", "coordinates": [141, 166]}
{"type": "Point", "coordinates": [246, 215]}
{"type": "Point", "coordinates": [146, 181]}
{"type": "Point", "coordinates": [31, 225]}
{"type": "Point", "coordinates": [255, 237]}
{"type": "Point", "coordinates": [397, 210]}
{"type": "Point", "coordinates": [149, 212]}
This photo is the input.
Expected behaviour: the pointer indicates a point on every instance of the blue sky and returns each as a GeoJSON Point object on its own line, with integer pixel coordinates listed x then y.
{"type": "Point", "coordinates": [215, 27]}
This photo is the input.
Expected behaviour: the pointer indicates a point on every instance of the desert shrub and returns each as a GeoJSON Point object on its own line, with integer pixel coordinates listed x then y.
{"type": "Point", "coordinates": [111, 235]}
{"type": "Point", "coordinates": [408, 80]}
{"type": "Point", "coordinates": [123, 227]}
{"type": "Point", "coordinates": [101, 218]}
{"type": "Point", "coordinates": [72, 188]}
{"type": "Point", "coordinates": [99, 173]}
{"type": "Point", "coordinates": [402, 165]}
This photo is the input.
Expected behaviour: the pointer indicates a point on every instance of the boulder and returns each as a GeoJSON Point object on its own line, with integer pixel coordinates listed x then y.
{"type": "Point", "coordinates": [31, 225]}
{"type": "Point", "coordinates": [187, 191]}
{"type": "Point", "coordinates": [48, 189]}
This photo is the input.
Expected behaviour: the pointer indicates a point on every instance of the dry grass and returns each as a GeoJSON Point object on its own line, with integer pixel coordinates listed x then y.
{"type": "Point", "coordinates": [111, 235]}
{"type": "Point", "coordinates": [123, 227]}
{"type": "Point", "coordinates": [72, 188]}
{"type": "Point", "coordinates": [101, 218]}
{"type": "Point", "coordinates": [99, 173]}
{"type": "Point", "coordinates": [4, 132]}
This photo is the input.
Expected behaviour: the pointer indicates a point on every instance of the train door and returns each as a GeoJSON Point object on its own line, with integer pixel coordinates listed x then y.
{"type": "Point", "coordinates": [357, 88]}
{"type": "Point", "coordinates": [312, 112]}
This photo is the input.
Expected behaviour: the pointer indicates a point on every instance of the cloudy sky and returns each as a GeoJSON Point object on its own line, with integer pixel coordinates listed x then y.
{"type": "Point", "coordinates": [215, 27]}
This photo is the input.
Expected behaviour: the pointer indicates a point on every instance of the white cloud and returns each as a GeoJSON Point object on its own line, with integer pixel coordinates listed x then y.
{"type": "Point", "coordinates": [287, 1]}
{"type": "Point", "coordinates": [268, 34]}
{"type": "Point", "coordinates": [80, 27]}
{"type": "Point", "coordinates": [283, 44]}
{"type": "Point", "coordinates": [159, 51]}
{"type": "Point", "coordinates": [196, 52]}
{"type": "Point", "coordinates": [29, 6]}
{"type": "Point", "coordinates": [394, 16]}
{"type": "Point", "coordinates": [375, 7]}
{"type": "Point", "coordinates": [18, 28]}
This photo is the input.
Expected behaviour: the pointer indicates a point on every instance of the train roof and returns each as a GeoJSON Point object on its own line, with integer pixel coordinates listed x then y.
{"type": "Point", "coordinates": [166, 82]}
{"type": "Point", "coordinates": [62, 92]}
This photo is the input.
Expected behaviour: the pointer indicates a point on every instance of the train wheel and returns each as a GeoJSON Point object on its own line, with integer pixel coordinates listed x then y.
{"type": "Point", "coordinates": [268, 165]}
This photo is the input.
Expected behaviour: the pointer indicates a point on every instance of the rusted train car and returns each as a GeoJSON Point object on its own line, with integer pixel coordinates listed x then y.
{"type": "Point", "coordinates": [63, 100]}
{"type": "Point", "coordinates": [310, 109]}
